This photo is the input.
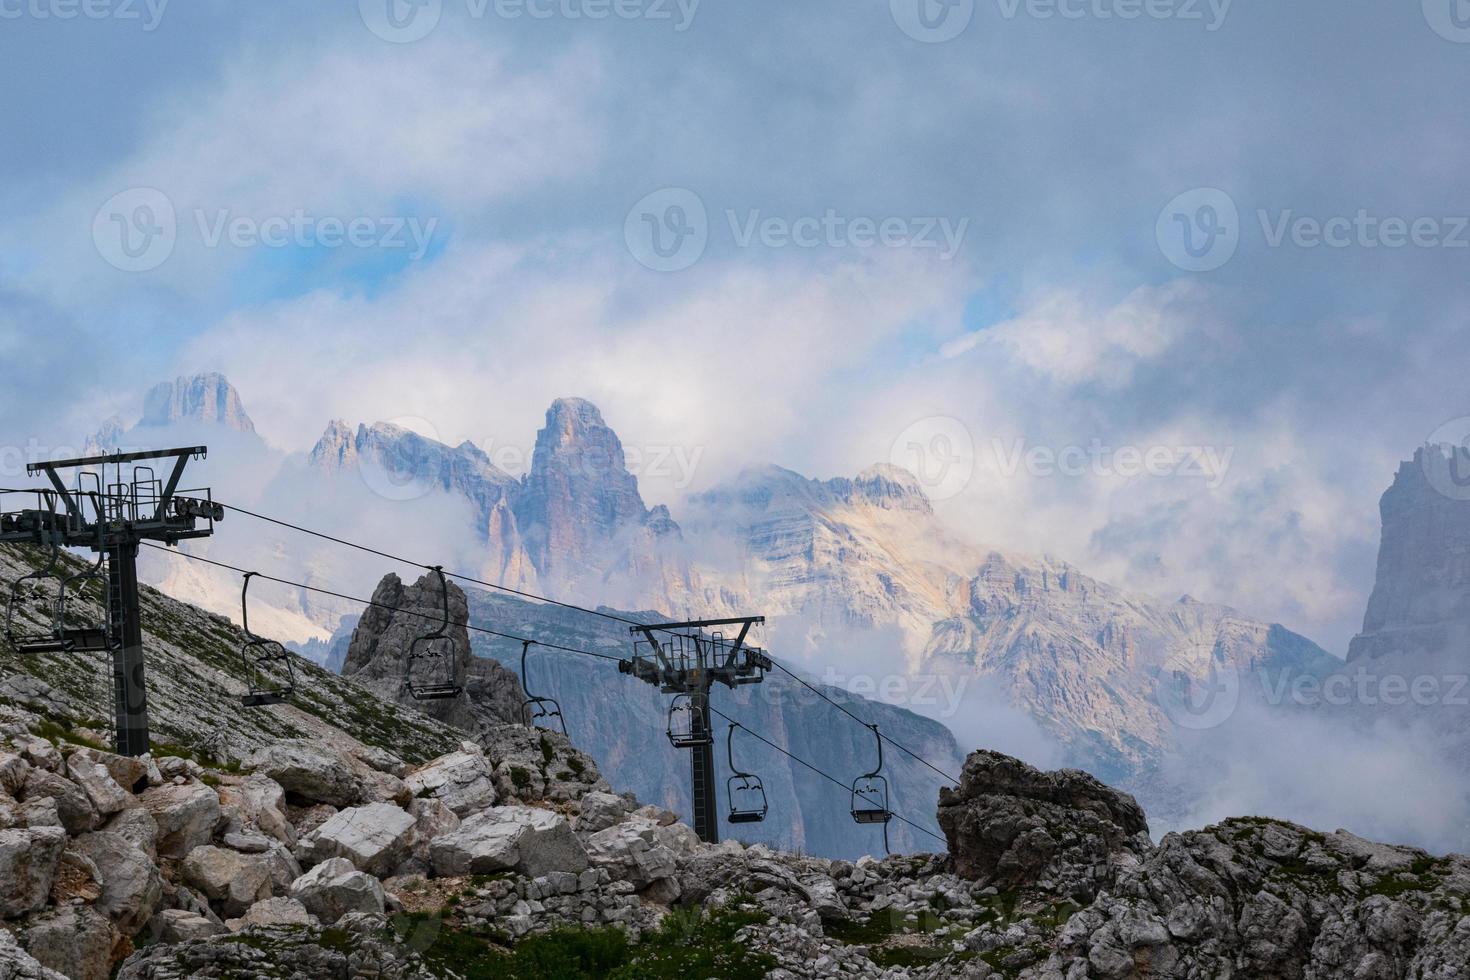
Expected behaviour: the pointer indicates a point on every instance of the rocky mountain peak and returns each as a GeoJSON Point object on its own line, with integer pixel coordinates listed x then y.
{"type": "Point", "coordinates": [1421, 598]}
{"type": "Point", "coordinates": [579, 510]}
{"type": "Point", "coordinates": [201, 398]}
{"type": "Point", "coordinates": [335, 449]}
{"type": "Point", "coordinates": [892, 487]}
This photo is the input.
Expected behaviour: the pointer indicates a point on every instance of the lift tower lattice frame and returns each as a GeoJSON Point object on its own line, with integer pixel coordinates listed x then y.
{"type": "Point", "coordinates": [689, 664]}
{"type": "Point", "coordinates": [115, 519]}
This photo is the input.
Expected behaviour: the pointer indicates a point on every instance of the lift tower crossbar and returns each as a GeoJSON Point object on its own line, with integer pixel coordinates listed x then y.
{"type": "Point", "coordinates": [114, 519]}
{"type": "Point", "coordinates": [683, 660]}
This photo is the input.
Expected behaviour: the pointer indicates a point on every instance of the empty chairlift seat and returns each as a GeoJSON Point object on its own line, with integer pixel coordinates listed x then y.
{"type": "Point", "coordinates": [429, 668]}
{"type": "Point", "coordinates": [268, 674]}
{"type": "Point", "coordinates": [744, 791]}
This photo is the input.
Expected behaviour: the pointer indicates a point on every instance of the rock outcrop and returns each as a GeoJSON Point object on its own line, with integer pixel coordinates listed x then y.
{"type": "Point", "coordinates": [1008, 824]}
{"type": "Point", "coordinates": [379, 653]}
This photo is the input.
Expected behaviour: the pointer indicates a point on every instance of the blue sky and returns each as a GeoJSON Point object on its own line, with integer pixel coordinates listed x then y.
{"type": "Point", "coordinates": [518, 146]}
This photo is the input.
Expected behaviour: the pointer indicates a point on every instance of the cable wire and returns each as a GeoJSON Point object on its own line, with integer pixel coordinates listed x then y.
{"type": "Point", "coordinates": [522, 639]}
{"type": "Point", "coordinates": [576, 608]}
{"type": "Point", "coordinates": [379, 605]}
{"type": "Point", "coordinates": [825, 775]}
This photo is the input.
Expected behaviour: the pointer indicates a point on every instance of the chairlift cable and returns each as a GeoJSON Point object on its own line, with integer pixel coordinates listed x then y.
{"type": "Point", "coordinates": [576, 608]}
{"type": "Point", "coordinates": [585, 653]}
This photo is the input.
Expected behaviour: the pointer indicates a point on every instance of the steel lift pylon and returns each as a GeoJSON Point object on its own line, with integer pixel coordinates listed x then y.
{"type": "Point", "coordinates": [112, 520]}
{"type": "Point", "coordinates": [683, 660]}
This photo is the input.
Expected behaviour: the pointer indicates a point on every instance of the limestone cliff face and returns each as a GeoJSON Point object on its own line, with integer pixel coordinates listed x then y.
{"type": "Point", "coordinates": [843, 553]}
{"type": "Point", "coordinates": [1089, 661]}
{"type": "Point", "coordinates": [1420, 607]}
{"type": "Point", "coordinates": [200, 398]}
{"type": "Point", "coordinates": [378, 655]}
{"type": "Point", "coordinates": [1082, 657]}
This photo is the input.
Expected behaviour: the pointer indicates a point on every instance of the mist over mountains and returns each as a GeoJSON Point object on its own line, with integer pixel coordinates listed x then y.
{"type": "Point", "coordinates": [867, 589]}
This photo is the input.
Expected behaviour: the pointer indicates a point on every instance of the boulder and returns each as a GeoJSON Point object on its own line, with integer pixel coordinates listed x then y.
{"type": "Point", "coordinates": [309, 771]}
{"type": "Point", "coordinates": [96, 781]}
{"type": "Point", "coordinates": [381, 760]}
{"type": "Point", "coordinates": [530, 841]}
{"type": "Point", "coordinates": [380, 787]}
{"type": "Point", "coordinates": [186, 816]}
{"type": "Point", "coordinates": [41, 811]}
{"type": "Point", "coordinates": [128, 773]}
{"type": "Point", "coordinates": [137, 826]}
{"type": "Point", "coordinates": [17, 964]}
{"type": "Point", "coordinates": [71, 939]}
{"type": "Point", "coordinates": [632, 852]}
{"type": "Point", "coordinates": [262, 804]}
{"type": "Point", "coordinates": [13, 771]}
{"type": "Point", "coordinates": [483, 844]}
{"type": "Point", "coordinates": [463, 781]}
{"type": "Point", "coordinates": [74, 807]}
{"type": "Point", "coordinates": [180, 926]}
{"type": "Point", "coordinates": [374, 838]}
{"type": "Point", "coordinates": [1009, 824]}
{"type": "Point", "coordinates": [334, 888]}
{"type": "Point", "coordinates": [130, 881]}
{"type": "Point", "coordinates": [600, 811]}
{"type": "Point", "coordinates": [274, 912]}
{"type": "Point", "coordinates": [284, 868]}
{"type": "Point", "coordinates": [29, 858]}
{"type": "Point", "coordinates": [38, 752]}
{"type": "Point", "coordinates": [232, 880]}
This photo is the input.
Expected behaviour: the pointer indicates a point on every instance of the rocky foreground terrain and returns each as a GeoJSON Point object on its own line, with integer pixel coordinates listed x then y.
{"type": "Point", "coordinates": [347, 835]}
{"type": "Point", "coordinates": [510, 857]}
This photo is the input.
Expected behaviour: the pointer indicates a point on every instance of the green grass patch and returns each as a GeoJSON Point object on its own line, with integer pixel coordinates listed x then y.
{"type": "Point", "coordinates": [687, 946]}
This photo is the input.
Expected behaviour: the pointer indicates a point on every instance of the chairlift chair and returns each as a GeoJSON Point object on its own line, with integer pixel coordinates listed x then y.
{"type": "Point", "coordinates": [744, 791]}
{"type": "Point", "coordinates": [428, 672]}
{"type": "Point", "coordinates": [264, 662]}
{"type": "Point", "coordinates": [84, 639]}
{"type": "Point", "coordinates": [534, 708]}
{"type": "Point", "coordinates": [51, 640]}
{"type": "Point", "coordinates": [870, 792]}
{"type": "Point", "coordinates": [683, 732]}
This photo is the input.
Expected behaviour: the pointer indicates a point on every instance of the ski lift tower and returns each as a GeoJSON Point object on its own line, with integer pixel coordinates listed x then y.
{"type": "Point", "coordinates": [683, 660]}
{"type": "Point", "coordinates": [113, 519]}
